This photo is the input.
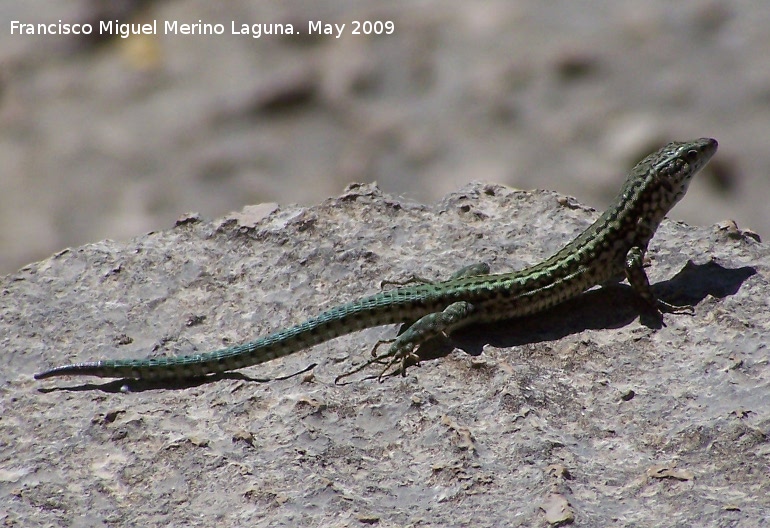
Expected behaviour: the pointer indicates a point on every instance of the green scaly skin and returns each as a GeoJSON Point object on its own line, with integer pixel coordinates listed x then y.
{"type": "Point", "coordinates": [612, 246]}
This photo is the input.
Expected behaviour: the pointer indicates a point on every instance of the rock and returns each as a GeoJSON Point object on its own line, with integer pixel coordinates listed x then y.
{"type": "Point", "coordinates": [544, 394]}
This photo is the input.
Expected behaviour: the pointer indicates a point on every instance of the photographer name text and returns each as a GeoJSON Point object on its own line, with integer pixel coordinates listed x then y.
{"type": "Point", "coordinates": [174, 27]}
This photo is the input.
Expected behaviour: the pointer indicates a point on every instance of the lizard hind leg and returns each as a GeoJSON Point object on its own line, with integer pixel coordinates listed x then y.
{"type": "Point", "coordinates": [427, 327]}
{"type": "Point", "coordinates": [424, 329]}
{"type": "Point", "coordinates": [473, 270]}
{"type": "Point", "coordinates": [414, 333]}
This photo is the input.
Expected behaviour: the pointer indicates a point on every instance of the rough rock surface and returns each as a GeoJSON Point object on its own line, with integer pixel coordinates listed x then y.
{"type": "Point", "coordinates": [594, 414]}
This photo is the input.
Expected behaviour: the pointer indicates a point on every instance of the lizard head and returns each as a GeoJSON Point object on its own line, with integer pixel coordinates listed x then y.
{"type": "Point", "coordinates": [674, 166]}
{"type": "Point", "coordinates": [655, 185]}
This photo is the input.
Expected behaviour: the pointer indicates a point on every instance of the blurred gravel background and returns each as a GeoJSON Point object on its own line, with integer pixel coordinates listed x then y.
{"type": "Point", "coordinates": [115, 137]}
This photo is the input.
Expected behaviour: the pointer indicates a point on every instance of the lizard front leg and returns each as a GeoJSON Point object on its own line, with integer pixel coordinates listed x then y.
{"type": "Point", "coordinates": [638, 280]}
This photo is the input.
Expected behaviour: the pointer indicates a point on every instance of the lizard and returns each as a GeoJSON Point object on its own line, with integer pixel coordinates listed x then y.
{"type": "Point", "coordinates": [611, 248]}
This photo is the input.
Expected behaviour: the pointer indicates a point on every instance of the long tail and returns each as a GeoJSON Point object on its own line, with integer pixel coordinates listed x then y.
{"type": "Point", "coordinates": [368, 312]}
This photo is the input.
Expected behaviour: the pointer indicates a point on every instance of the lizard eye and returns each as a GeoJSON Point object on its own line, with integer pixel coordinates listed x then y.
{"type": "Point", "coordinates": [691, 155]}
